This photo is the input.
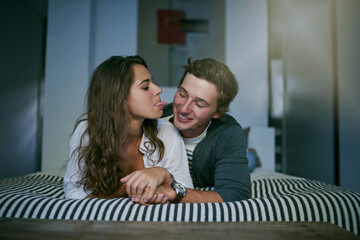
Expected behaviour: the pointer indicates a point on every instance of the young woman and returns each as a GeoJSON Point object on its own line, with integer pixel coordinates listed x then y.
{"type": "Point", "coordinates": [120, 135]}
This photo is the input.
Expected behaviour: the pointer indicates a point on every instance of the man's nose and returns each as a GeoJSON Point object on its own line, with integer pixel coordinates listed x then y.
{"type": "Point", "coordinates": [186, 107]}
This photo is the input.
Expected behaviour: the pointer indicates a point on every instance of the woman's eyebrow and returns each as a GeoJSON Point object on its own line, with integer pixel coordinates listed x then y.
{"type": "Point", "coordinates": [144, 81]}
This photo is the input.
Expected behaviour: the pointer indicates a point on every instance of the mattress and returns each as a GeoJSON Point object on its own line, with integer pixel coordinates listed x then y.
{"type": "Point", "coordinates": [275, 197]}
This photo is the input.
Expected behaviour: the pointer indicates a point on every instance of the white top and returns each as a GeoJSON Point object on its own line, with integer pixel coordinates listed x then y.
{"type": "Point", "coordinates": [174, 160]}
{"type": "Point", "coordinates": [190, 143]}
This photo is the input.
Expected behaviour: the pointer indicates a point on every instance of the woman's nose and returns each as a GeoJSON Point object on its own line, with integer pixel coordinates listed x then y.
{"type": "Point", "coordinates": [157, 90]}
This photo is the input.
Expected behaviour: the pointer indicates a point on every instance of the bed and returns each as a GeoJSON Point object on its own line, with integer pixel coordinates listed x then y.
{"type": "Point", "coordinates": [275, 197]}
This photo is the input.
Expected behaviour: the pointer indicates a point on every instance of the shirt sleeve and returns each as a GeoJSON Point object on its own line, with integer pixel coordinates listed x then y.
{"type": "Point", "coordinates": [232, 177]}
{"type": "Point", "coordinates": [175, 158]}
{"type": "Point", "coordinates": [73, 174]}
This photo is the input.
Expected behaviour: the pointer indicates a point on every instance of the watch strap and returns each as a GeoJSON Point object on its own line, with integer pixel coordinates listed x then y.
{"type": "Point", "coordinates": [179, 195]}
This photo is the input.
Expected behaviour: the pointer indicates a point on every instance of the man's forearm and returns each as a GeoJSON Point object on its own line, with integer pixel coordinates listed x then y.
{"type": "Point", "coordinates": [192, 196]}
{"type": "Point", "coordinates": [198, 196]}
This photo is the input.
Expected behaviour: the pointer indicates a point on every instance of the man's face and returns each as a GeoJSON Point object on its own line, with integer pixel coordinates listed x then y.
{"type": "Point", "coordinates": [194, 106]}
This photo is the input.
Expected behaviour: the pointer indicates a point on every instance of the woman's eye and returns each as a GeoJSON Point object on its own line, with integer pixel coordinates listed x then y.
{"type": "Point", "coordinates": [146, 88]}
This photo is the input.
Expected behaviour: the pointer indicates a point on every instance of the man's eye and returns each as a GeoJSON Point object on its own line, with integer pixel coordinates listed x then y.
{"type": "Point", "coordinates": [146, 88]}
{"type": "Point", "coordinates": [201, 104]}
{"type": "Point", "coordinates": [182, 94]}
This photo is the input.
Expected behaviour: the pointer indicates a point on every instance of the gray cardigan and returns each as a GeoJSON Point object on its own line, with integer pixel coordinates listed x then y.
{"type": "Point", "coordinates": [219, 160]}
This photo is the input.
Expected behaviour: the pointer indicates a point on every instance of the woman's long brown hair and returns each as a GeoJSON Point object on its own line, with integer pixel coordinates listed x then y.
{"type": "Point", "coordinates": [108, 126]}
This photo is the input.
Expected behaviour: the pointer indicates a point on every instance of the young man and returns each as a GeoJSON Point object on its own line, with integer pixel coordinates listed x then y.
{"type": "Point", "coordinates": [214, 141]}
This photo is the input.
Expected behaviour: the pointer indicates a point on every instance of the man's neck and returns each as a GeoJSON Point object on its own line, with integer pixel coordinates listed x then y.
{"type": "Point", "coordinates": [194, 133]}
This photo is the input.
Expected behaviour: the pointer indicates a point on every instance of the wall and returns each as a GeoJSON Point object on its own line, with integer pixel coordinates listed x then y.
{"type": "Point", "coordinates": [66, 75]}
{"type": "Point", "coordinates": [165, 60]}
{"type": "Point", "coordinates": [308, 127]}
{"type": "Point", "coordinates": [246, 54]}
{"type": "Point", "coordinates": [22, 29]}
{"type": "Point", "coordinates": [317, 44]}
{"type": "Point", "coordinates": [113, 30]}
{"type": "Point", "coordinates": [348, 57]}
{"type": "Point", "coordinates": [79, 37]}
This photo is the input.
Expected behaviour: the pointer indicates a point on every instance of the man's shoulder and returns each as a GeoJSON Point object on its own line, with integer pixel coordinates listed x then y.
{"type": "Point", "coordinates": [224, 122]}
{"type": "Point", "coordinates": [224, 130]}
{"type": "Point", "coordinates": [168, 110]}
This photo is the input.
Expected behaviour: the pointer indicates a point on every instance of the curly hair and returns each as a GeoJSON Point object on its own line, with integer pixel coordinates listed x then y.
{"type": "Point", "coordinates": [217, 73]}
{"type": "Point", "coordinates": [108, 125]}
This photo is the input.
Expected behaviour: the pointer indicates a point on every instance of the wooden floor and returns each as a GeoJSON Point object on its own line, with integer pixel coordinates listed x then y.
{"type": "Point", "coordinates": [68, 229]}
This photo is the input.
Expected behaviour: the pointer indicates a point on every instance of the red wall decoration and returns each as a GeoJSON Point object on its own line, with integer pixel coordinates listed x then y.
{"type": "Point", "coordinates": [169, 27]}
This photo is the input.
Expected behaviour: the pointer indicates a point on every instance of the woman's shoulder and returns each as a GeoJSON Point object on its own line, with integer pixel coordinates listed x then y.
{"type": "Point", "coordinates": [78, 131]}
{"type": "Point", "coordinates": [80, 127]}
{"type": "Point", "coordinates": [165, 124]}
{"type": "Point", "coordinates": [166, 129]}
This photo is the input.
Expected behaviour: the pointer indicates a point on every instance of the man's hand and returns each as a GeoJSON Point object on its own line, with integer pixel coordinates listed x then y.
{"type": "Point", "coordinates": [141, 184]}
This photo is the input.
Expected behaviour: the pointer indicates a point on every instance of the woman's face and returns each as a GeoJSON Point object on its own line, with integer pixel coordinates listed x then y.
{"type": "Point", "coordinates": [144, 98]}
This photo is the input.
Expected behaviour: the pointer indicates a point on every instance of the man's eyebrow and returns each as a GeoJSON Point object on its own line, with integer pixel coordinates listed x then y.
{"type": "Point", "coordinates": [144, 81]}
{"type": "Point", "coordinates": [202, 100]}
{"type": "Point", "coordinates": [197, 98]}
{"type": "Point", "coordinates": [183, 89]}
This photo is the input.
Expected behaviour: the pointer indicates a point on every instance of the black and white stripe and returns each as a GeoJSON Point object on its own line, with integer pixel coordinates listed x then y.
{"type": "Point", "coordinates": [189, 154]}
{"type": "Point", "coordinates": [273, 199]}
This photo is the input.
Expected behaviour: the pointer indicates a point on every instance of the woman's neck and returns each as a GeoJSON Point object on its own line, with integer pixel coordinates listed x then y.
{"type": "Point", "coordinates": [133, 158]}
{"type": "Point", "coordinates": [135, 131]}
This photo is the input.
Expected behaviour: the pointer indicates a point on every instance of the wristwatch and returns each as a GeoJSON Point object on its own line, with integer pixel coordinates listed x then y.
{"type": "Point", "coordinates": [179, 189]}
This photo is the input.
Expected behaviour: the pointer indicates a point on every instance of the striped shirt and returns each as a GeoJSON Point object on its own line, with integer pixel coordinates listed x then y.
{"type": "Point", "coordinates": [190, 144]}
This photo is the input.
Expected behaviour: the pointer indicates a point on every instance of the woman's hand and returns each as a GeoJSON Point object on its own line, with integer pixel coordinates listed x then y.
{"type": "Point", "coordinates": [164, 194]}
{"type": "Point", "coordinates": [141, 184]}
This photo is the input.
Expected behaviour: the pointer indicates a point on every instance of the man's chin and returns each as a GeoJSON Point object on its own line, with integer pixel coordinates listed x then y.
{"type": "Point", "coordinates": [181, 126]}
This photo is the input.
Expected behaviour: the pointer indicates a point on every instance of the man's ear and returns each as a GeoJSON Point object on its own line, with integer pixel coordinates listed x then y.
{"type": "Point", "coordinates": [218, 114]}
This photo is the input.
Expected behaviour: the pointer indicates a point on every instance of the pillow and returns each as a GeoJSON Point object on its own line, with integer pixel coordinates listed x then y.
{"type": "Point", "coordinates": [253, 158]}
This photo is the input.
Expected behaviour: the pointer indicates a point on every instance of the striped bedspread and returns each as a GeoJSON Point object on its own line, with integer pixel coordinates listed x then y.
{"type": "Point", "coordinates": [274, 198]}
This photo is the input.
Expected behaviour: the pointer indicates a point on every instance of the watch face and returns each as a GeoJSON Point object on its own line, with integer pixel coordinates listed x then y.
{"type": "Point", "coordinates": [180, 187]}
{"type": "Point", "coordinates": [180, 191]}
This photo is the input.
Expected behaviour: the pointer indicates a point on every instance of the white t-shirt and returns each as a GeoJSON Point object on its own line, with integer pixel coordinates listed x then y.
{"type": "Point", "coordinates": [190, 144]}
{"type": "Point", "coordinates": [174, 160]}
